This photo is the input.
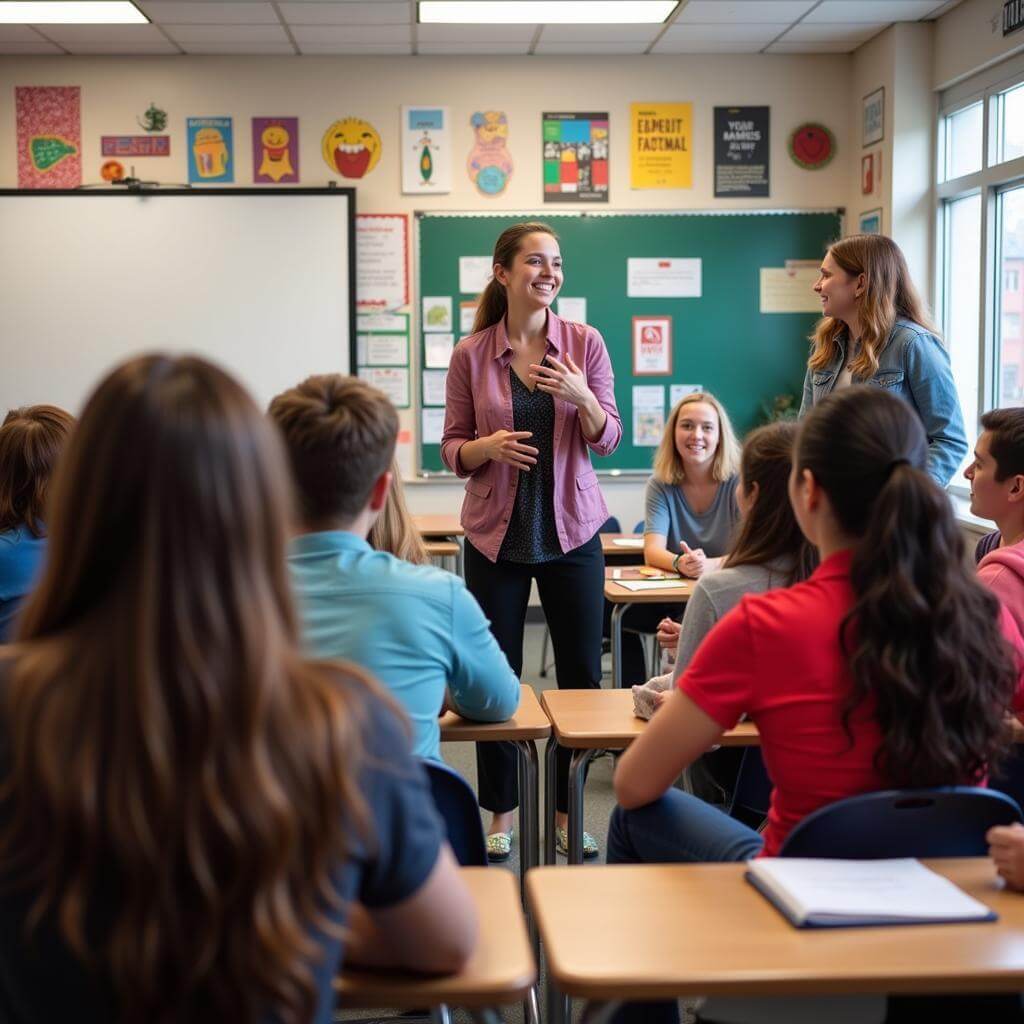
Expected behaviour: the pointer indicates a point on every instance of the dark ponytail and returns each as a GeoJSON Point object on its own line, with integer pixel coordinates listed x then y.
{"type": "Point", "coordinates": [923, 641]}
{"type": "Point", "coordinates": [493, 303]}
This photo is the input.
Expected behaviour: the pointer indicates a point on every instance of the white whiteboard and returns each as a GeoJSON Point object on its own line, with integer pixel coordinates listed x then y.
{"type": "Point", "coordinates": [258, 281]}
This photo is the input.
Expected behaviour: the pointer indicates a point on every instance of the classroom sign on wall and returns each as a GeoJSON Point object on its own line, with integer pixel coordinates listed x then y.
{"type": "Point", "coordinates": [660, 145]}
{"type": "Point", "coordinates": [49, 126]}
{"type": "Point", "coordinates": [489, 164]}
{"type": "Point", "coordinates": [575, 157]}
{"type": "Point", "coordinates": [210, 150]}
{"type": "Point", "coordinates": [426, 150]}
{"type": "Point", "coordinates": [742, 147]}
{"type": "Point", "coordinates": [275, 150]}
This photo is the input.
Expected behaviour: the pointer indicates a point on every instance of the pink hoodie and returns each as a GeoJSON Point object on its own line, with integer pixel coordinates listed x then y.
{"type": "Point", "coordinates": [1002, 571]}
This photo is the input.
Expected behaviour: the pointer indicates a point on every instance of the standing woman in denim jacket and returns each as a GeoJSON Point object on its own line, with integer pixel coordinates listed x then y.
{"type": "Point", "coordinates": [529, 396]}
{"type": "Point", "coordinates": [875, 330]}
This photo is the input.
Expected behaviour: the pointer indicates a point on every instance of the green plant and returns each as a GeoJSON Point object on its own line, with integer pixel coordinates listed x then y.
{"type": "Point", "coordinates": [781, 407]}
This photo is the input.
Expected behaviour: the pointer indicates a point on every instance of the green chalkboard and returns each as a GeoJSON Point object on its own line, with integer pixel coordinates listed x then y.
{"type": "Point", "coordinates": [720, 340]}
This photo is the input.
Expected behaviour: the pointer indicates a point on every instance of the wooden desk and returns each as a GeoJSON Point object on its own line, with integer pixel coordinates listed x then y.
{"type": "Point", "coordinates": [588, 722]}
{"type": "Point", "coordinates": [622, 598]}
{"type": "Point", "coordinates": [700, 929]}
{"type": "Point", "coordinates": [523, 729]}
{"type": "Point", "coordinates": [502, 970]}
{"type": "Point", "coordinates": [618, 553]}
{"type": "Point", "coordinates": [443, 550]}
{"type": "Point", "coordinates": [438, 526]}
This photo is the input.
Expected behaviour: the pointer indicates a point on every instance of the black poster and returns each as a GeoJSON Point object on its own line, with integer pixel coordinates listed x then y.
{"type": "Point", "coordinates": [741, 151]}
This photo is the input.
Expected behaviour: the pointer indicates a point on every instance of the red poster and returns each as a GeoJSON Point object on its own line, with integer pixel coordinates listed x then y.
{"type": "Point", "coordinates": [49, 136]}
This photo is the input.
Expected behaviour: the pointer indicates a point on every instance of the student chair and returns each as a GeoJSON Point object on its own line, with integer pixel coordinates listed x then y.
{"type": "Point", "coordinates": [456, 803]}
{"type": "Point", "coordinates": [949, 821]}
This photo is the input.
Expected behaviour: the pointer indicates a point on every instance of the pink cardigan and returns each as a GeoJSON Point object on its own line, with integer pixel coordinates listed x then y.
{"type": "Point", "coordinates": [479, 402]}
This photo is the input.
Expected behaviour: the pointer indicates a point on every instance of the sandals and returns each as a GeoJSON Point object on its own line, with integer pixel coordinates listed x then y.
{"type": "Point", "coordinates": [590, 849]}
{"type": "Point", "coordinates": [499, 846]}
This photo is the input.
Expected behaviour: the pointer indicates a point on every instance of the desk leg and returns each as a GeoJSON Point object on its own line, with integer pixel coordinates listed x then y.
{"type": "Point", "coordinates": [440, 1015]}
{"type": "Point", "coordinates": [550, 796]}
{"type": "Point", "coordinates": [599, 1013]}
{"type": "Point", "coordinates": [616, 630]}
{"type": "Point", "coordinates": [529, 825]}
{"type": "Point", "coordinates": [577, 777]}
{"type": "Point", "coordinates": [459, 569]}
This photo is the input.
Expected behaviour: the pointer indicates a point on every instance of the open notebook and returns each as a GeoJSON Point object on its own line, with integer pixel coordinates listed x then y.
{"type": "Point", "coordinates": [842, 893]}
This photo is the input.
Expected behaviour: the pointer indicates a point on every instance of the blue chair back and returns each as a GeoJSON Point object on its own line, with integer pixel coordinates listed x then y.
{"type": "Point", "coordinates": [753, 786]}
{"type": "Point", "coordinates": [611, 525]}
{"type": "Point", "coordinates": [639, 528]}
{"type": "Point", "coordinates": [949, 821]}
{"type": "Point", "coordinates": [456, 803]}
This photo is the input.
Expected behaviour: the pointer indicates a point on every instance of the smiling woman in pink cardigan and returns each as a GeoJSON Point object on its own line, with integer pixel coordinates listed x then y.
{"type": "Point", "coordinates": [529, 395]}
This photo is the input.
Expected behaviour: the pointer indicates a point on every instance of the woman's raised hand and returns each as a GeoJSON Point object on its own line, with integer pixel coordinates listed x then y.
{"type": "Point", "coordinates": [507, 446]}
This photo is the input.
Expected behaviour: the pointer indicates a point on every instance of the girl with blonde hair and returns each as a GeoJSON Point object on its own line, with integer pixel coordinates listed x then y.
{"type": "Point", "coordinates": [876, 330]}
{"type": "Point", "coordinates": [394, 531]}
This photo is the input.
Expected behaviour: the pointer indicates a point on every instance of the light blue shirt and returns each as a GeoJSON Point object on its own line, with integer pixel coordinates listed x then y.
{"type": "Point", "coordinates": [415, 628]}
{"type": "Point", "coordinates": [21, 558]}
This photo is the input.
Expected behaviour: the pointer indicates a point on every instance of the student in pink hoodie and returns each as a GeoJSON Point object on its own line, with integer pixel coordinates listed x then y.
{"type": "Point", "coordinates": [997, 492]}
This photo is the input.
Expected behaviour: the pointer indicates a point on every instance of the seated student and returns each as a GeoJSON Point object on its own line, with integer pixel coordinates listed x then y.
{"type": "Point", "coordinates": [414, 627]}
{"type": "Point", "coordinates": [394, 530]}
{"type": "Point", "coordinates": [31, 440]}
{"type": "Point", "coordinates": [997, 492]}
{"type": "Point", "coordinates": [191, 809]}
{"type": "Point", "coordinates": [691, 509]}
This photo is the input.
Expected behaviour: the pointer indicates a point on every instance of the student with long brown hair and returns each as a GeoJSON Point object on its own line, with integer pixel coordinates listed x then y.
{"type": "Point", "coordinates": [875, 328]}
{"type": "Point", "coordinates": [190, 809]}
{"type": "Point", "coordinates": [529, 397]}
{"type": "Point", "coordinates": [31, 440]}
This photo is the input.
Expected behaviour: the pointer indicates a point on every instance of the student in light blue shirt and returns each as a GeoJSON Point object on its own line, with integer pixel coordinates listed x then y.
{"type": "Point", "coordinates": [414, 627]}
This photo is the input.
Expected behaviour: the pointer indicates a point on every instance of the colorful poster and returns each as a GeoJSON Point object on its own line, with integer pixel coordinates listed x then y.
{"type": "Point", "coordinates": [426, 150]}
{"type": "Point", "coordinates": [49, 122]}
{"type": "Point", "coordinates": [135, 145]}
{"type": "Point", "coordinates": [210, 150]}
{"type": "Point", "coordinates": [351, 147]}
{"type": "Point", "coordinates": [275, 150]}
{"type": "Point", "coordinates": [742, 147]}
{"type": "Point", "coordinates": [661, 145]}
{"type": "Point", "coordinates": [437, 314]}
{"type": "Point", "coordinates": [652, 346]}
{"type": "Point", "coordinates": [648, 415]}
{"type": "Point", "coordinates": [382, 260]}
{"type": "Point", "coordinates": [575, 158]}
{"type": "Point", "coordinates": [490, 163]}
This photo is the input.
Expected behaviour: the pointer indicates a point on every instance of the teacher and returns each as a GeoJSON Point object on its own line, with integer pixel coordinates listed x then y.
{"type": "Point", "coordinates": [875, 330]}
{"type": "Point", "coordinates": [527, 395]}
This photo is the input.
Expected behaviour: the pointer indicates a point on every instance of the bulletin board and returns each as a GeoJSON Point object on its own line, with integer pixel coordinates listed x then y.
{"type": "Point", "coordinates": [720, 340]}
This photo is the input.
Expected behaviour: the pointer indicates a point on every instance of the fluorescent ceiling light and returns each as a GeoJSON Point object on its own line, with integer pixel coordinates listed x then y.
{"type": "Point", "coordinates": [544, 12]}
{"type": "Point", "coordinates": [70, 12]}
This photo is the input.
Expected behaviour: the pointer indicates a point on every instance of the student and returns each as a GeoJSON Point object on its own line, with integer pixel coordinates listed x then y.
{"type": "Point", "coordinates": [192, 809]}
{"type": "Point", "coordinates": [31, 440]}
{"type": "Point", "coordinates": [889, 667]}
{"type": "Point", "coordinates": [875, 328]}
{"type": "Point", "coordinates": [997, 492]}
{"type": "Point", "coordinates": [394, 530]}
{"type": "Point", "coordinates": [529, 397]}
{"type": "Point", "coordinates": [414, 627]}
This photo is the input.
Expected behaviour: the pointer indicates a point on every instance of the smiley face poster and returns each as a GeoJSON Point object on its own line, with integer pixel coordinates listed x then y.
{"type": "Point", "coordinates": [351, 147]}
{"type": "Point", "coordinates": [275, 150]}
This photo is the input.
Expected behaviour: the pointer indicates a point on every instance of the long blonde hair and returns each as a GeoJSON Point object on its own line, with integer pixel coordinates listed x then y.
{"type": "Point", "coordinates": [889, 295]}
{"type": "Point", "coordinates": [668, 465]}
{"type": "Point", "coordinates": [394, 530]}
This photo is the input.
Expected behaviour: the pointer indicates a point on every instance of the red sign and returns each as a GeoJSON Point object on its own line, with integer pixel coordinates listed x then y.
{"type": "Point", "coordinates": [136, 145]}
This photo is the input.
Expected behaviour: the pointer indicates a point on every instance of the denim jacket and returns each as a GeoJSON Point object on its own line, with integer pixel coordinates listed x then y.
{"type": "Point", "coordinates": [914, 365]}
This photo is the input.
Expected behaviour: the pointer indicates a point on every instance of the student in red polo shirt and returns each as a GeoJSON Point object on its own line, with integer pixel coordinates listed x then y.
{"type": "Point", "coordinates": [890, 667]}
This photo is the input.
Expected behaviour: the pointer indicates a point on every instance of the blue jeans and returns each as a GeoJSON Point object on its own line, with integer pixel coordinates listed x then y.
{"type": "Point", "coordinates": [677, 828]}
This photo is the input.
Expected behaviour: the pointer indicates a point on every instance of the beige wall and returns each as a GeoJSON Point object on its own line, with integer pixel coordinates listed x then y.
{"type": "Point", "coordinates": [969, 38]}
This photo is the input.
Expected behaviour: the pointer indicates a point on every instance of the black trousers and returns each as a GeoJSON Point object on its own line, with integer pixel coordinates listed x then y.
{"type": "Point", "coordinates": [571, 592]}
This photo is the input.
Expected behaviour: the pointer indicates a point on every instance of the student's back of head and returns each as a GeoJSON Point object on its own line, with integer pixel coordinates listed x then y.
{"type": "Point", "coordinates": [31, 440]}
{"type": "Point", "coordinates": [180, 783]}
{"type": "Point", "coordinates": [340, 436]}
{"type": "Point", "coordinates": [923, 638]}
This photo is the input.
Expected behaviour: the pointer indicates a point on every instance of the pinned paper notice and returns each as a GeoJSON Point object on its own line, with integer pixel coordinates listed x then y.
{"type": "Point", "coordinates": [573, 309]}
{"type": "Point", "coordinates": [677, 392]}
{"type": "Point", "coordinates": [392, 381]}
{"type": "Point", "coordinates": [648, 415]}
{"type": "Point", "coordinates": [437, 313]}
{"type": "Point", "coordinates": [433, 386]}
{"type": "Point", "coordinates": [437, 350]}
{"type": "Point", "coordinates": [467, 314]}
{"type": "Point", "coordinates": [663, 278]}
{"type": "Point", "coordinates": [789, 291]}
{"type": "Point", "coordinates": [387, 349]}
{"type": "Point", "coordinates": [474, 273]}
{"type": "Point", "coordinates": [433, 426]}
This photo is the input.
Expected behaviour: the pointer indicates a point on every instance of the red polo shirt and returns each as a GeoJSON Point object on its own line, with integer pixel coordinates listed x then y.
{"type": "Point", "coordinates": [777, 658]}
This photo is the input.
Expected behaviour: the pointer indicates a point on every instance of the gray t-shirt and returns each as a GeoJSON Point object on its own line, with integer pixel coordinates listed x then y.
{"type": "Point", "coordinates": [667, 513]}
{"type": "Point", "coordinates": [715, 595]}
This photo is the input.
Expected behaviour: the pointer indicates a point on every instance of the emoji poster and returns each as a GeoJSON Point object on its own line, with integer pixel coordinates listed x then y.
{"type": "Point", "coordinates": [426, 150]}
{"type": "Point", "coordinates": [49, 122]}
{"type": "Point", "coordinates": [351, 147]}
{"type": "Point", "coordinates": [275, 150]}
{"type": "Point", "coordinates": [210, 150]}
{"type": "Point", "coordinates": [575, 158]}
{"type": "Point", "coordinates": [489, 164]}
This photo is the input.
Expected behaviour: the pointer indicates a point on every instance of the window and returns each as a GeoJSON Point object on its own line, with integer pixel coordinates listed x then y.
{"type": "Point", "coordinates": [980, 259]}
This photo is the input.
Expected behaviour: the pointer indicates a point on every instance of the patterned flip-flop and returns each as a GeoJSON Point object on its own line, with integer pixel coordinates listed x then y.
{"type": "Point", "coordinates": [590, 850]}
{"type": "Point", "coordinates": [499, 846]}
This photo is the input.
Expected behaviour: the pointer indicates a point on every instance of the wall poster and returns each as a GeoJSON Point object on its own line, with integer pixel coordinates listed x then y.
{"type": "Point", "coordinates": [575, 158]}
{"type": "Point", "coordinates": [742, 148]}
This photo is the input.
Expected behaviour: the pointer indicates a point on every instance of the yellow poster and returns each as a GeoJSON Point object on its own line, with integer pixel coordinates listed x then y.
{"type": "Point", "coordinates": [660, 145]}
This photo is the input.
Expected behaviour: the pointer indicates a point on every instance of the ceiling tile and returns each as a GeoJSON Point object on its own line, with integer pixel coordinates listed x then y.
{"type": "Point", "coordinates": [833, 32]}
{"type": "Point", "coordinates": [496, 34]}
{"type": "Point", "coordinates": [726, 33]}
{"type": "Point", "coordinates": [600, 33]}
{"type": "Point", "coordinates": [623, 46]}
{"type": "Point", "coordinates": [381, 12]}
{"type": "Point", "coordinates": [352, 34]}
{"type": "Point", "coordinates": [254, 48]}
{"type": "Point", "coordinates": [470, 49]}
{"type": "Point", "coordinates": [123, 49]}
{"type": "Point", "coordinates": [212, 12]}
{"type": "Point", "coordinates": [69, 35]}
{"type": "Point", "coordinates": [227, 34]}
{"type": "Point", "coordinates": [16, 48]}
{"type": "Point", "coordinates": [375, 49]}
{"type": "Point", "coordinates": [870, 10]}
{"type": "Point", "coordinates": [682, 45]}
{"type": "Point", "coordinates": [722, 12]}
{"type": "Point", "coordinates": [811, 48]}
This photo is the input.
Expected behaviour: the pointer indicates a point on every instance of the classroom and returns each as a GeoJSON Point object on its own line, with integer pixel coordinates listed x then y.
{"type": "Point", "coordinates": [640, 482]}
